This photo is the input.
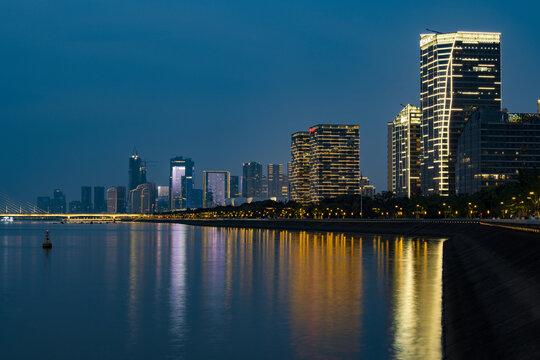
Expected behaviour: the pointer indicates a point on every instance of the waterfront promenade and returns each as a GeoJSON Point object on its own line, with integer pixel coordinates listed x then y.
{"type": "Point", "coordinates": [491, 282]}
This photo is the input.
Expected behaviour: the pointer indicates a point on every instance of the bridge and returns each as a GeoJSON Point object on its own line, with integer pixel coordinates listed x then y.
{"type": "Point", "coordinates": [73, 217]}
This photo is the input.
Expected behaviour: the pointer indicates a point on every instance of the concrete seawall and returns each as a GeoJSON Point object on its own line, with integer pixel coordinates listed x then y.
{"type": "Point", "coordinates": [491, 280]}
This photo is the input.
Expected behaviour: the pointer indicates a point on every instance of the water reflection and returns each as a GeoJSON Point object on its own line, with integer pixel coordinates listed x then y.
{"type": "Point", "coordinates": [175, 291]}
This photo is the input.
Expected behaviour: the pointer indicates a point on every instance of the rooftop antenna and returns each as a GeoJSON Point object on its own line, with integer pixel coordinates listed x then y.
{"type": "Point", "coordinates": [434, 31]}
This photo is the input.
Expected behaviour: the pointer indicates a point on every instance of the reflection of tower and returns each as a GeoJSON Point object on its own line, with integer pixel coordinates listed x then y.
{"type": "Point", "coordinates": [417, 298]}
{"type": "Point", "coordinates": [178, 243]}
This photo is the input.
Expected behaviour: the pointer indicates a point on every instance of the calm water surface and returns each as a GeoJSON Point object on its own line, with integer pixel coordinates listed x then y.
{"type": "Point", "coordinates": [151, 291]}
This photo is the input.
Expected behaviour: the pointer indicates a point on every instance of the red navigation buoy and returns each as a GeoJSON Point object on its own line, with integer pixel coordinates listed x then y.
{"type": "Point", "coordinates": [47, 244]}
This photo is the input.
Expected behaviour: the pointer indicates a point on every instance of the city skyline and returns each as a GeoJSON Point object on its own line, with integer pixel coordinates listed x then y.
{"type": "Point", "coordinates": [345, 77]}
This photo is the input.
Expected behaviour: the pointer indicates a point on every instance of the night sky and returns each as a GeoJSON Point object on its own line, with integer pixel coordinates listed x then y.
{"type": "Point", "coordinates": [222, 82]}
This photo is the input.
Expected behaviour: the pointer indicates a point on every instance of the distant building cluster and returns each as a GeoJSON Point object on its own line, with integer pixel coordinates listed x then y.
{"type": "Point", "coordinates": [459, 141]}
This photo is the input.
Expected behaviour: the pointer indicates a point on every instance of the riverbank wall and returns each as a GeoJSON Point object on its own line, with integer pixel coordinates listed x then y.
{"type": "Point", "coordinates": [491, 279]}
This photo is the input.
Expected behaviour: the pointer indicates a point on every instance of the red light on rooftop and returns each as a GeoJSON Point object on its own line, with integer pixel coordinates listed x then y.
{"type": "Point", "coordinates": [311, 130]}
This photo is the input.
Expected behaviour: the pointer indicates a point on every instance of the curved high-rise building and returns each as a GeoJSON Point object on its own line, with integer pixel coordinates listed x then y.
{"type": "Point", "coordinates": [459, 72]}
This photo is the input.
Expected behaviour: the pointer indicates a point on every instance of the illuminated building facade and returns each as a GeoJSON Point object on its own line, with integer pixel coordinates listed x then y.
{"type": "Point", "coordinates": [216, 188]}
{"type": "Point", "coordinates": [299, 168]}
{"type": "Point", "coordinates": [494, 146]}
{"type": "Point", "coordinates": [143, 199]}
{"type": "Point", "coordinates": [162, 200]}
{"type": "Point", "coordinates": [180, 183]}
{"type": "Point", "coordinates": [116, 200]}
{"type": "Point", "coordinates": [252, 180]}
{"type": "Point", "coordinates": [405, 152]}
{"type": "Point", "coordinates": [459, 72]}
{"type": "Point", "coordinates": [389, 142]}
{"type": "Point", "coordinates": [334, 161]}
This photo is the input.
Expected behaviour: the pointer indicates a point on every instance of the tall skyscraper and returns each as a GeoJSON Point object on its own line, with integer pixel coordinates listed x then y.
{"type": "Point", "coordinates": [137, 171]}
{"type": "Point", "coordinates": [181, 183]}
{"type": "Point", "coordinates": [116, 200]}
{"type": "Point", "coordinates": [86, 199]}
{"type": "Point", "coordinates": [216, 188]}
{"type": "Point", "coordinates": [235, 187]}
{"type": "Point", "coordinates": [252, 180]}
{"type": "Point", "coordinates": [334, 161]}
{"type": "Point", "coordinates": [459, 72]}
{"type": "Point", "coordinates": [405, 148]}
{"type": "Point", "coordinates": [162, 201]}
{"type": "Point", "coordinates": [58, 202]}
{"type": "Point", "coordinates": [99, 199]}
{"type": "Point", "coordinates": [275, 179]}
{"type": "Point", "coordinates": [299, 169]}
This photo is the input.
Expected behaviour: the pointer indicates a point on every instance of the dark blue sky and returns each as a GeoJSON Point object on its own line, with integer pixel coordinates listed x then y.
{"type": "Point", "coordinates": [82, 82]}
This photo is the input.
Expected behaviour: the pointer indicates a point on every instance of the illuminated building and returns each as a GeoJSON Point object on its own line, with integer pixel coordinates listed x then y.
{"type": "Point", "coordinates": [143, 199]}
{"type": "Point", "coordinates": [405, 153]}
{"type": "Point", "coordinates": [58, 202]}
{"type": "Point", "coordinates": [252, 180]}
{"type": "Point", "coordinates": [459, 72]}
{"type": "Point", "coordinates": [334, 161]}
{"type": "Point", "coordinates": [299, 169]}
{"type": "Point", "coordinates": [538, 104]}
{"type": "Point", "coordinates": [389, 142]}
{"type": "Point", "coordinates": [86, 199]}
{"type": "Point", "coordinates": [180, 183]}
{"type": "Point", "coordinates": [494, 146]}
{"type": "Point", "coordinates": [216, 188]}
{"type": "Point", "coordinates": [99, 199]}
{"type": "Point", "coordinates": [116, 200]}
{"type": "Point", "coordinates": [275, 180]}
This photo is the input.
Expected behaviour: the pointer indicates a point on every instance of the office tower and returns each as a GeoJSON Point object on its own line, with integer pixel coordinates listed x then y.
{"type": "Point", "coordinates": [86, 199]}
{"type": "Point", "coordinates": [235, 187]}
{"type": "Point", "coordinates": [216, 188]}
{"type": "Point", "coordinates": [538, 105]}
{"type": "Point", "coordinates": [116, 200]}
{"type": "Point", "coordinates": [334, 161]}
{"type": "Point", "coordinates": [405, 150]}
{"type": "Point", "coordinates": [143, 199]}
{"type": "Point", "coordinates": [494, 147]}
{"type": "Point", "coordinates": [136, 171]}
{"type": "Point", "coordinates": [99, 199]}
{"type": "Point", "coordinates": [75, 207]}
{"type": "Point", "coordinates": [299, 168]}
{"type": "Point", "coordinates": [285, 185]}
{"type": "Point", "coordinates": [389, 142]}
{"type": "Point", "coordinates": [459, 72]}
{"type": "Point", "coordinates": [180, 183]}
{"type": "Point", "coordinates": [252, 180]}
{"type": "Point", "coordinates": [275, 179]}
{"type": "Point", "coordinates": [197, 198]}
{"type": "Point", "coordinates": [58, 202]}
{"type": "Point", "coordinates": [44, 203]}
{"type": "Point", "coordinates": [162, 201]}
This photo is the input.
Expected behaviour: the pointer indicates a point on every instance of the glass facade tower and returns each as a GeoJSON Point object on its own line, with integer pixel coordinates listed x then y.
{"type": "Point", "coordinates": [216, 188]}
{"type": "Point", "coordinates": [459, 72]}
{"type": "Point", "coordinates": [180, 183]}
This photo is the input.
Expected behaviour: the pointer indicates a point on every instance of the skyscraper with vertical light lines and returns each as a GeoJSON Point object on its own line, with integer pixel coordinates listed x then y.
{"type": "Point", "coordinates": [459, 72]}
